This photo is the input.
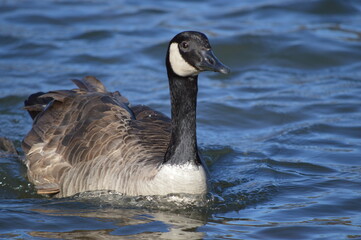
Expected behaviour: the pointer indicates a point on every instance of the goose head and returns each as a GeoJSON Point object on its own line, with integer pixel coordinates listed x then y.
{"type": "Point", "coordinates": [190, 53]}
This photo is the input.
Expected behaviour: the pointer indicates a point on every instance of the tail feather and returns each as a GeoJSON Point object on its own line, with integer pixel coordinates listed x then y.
{"type": "Point", "coordinates": [6, 145]}
{"type": "Point", "coordinates": [90, 84]}
{"type": "Point", "coordinates": [35, 104]}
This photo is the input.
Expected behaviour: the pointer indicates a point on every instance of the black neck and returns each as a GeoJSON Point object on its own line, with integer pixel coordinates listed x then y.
{"type": "Point", "coordinates": [182, 147]}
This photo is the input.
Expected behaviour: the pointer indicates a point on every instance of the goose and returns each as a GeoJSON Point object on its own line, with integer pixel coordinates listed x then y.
{"type": "Point", "coordinates": [89, 139]}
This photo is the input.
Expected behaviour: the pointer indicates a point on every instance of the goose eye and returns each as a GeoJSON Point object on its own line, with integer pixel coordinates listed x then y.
{"type": "Point", "coordinates": [184, 45]}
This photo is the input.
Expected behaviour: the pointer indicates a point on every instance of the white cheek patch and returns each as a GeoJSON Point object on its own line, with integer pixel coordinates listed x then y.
{"type": "Point", "coordinates": [178, 64]}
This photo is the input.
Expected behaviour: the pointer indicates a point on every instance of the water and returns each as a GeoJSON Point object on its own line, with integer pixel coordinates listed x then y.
{"type": "Point", "coordinates": [281, 135]}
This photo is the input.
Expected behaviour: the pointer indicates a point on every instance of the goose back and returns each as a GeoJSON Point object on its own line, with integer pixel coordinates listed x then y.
{"type": "Point", "coordinates": [88, 139]}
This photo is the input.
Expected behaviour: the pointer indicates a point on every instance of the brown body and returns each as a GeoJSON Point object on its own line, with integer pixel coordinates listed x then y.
{"type": "Point", "coordinates": [87, 137]}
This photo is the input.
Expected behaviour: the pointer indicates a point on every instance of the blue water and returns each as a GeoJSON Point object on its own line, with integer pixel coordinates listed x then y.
{"type": "Point", "coordinates": [281, 135]}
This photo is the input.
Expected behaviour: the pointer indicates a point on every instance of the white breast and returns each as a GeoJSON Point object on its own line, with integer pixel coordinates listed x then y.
{"type": "Point", "coordinates": [187, 178]}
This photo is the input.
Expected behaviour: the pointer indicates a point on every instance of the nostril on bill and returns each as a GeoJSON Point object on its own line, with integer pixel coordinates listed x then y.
{"type": "Point", "coordinates": [210, 60]}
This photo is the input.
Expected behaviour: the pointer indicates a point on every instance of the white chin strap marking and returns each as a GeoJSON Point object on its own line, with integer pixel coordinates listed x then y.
{"type": "Point", "coordinates": [178, 64]}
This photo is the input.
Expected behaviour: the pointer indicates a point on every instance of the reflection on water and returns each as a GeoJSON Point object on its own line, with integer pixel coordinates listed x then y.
{"type": "Point", "coordinates": [126, 222]}
{"type": "Point", "coordinates": [280, 135]}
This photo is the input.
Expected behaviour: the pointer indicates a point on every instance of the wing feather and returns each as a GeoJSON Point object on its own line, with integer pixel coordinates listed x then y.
{"type": "Point", "coordinates": [89, 127]}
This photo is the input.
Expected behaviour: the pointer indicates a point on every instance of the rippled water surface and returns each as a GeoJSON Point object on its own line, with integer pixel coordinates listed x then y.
{"type": "Point", "coordinates": [281, 135]}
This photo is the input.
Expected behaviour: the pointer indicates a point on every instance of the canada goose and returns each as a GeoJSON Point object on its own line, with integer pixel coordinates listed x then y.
{"type": "Point", "coordinates": [90, 139]}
